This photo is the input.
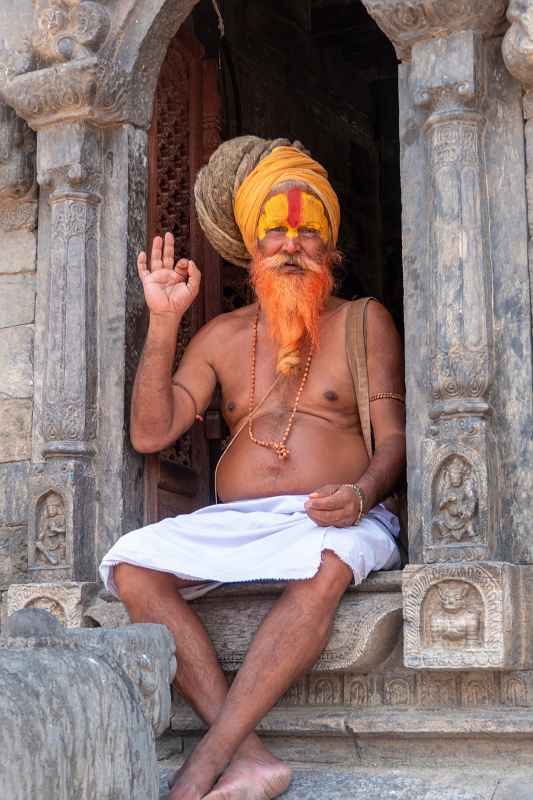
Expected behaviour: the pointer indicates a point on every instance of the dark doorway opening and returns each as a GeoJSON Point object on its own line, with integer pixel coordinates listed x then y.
{"type": "Point", "coordinates": [319, 71]}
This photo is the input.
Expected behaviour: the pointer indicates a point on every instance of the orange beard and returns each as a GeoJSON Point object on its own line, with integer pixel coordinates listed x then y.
{"type": "Point", "coordinates": [292, 303]}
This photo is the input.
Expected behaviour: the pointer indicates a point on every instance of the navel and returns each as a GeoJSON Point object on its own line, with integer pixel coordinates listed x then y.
{"type": "Point", "coordinates": [331, 395]}
{"type": "Point", "coordinates": [231, 406]}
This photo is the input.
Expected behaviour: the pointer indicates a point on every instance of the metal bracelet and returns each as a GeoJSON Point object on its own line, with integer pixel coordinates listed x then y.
{"type": "Point", "coordinates": [362, 500]}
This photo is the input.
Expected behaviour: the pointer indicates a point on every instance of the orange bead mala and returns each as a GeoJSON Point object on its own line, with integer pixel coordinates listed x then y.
{"type": "Point", "coordinates": [278, 447]}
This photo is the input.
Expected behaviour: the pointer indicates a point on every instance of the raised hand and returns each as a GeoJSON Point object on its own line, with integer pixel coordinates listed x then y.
{"type": "Point", "coordinates": [168, 288]}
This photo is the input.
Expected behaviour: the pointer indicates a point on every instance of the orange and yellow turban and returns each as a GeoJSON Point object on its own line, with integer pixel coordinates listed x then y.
{"type": "Point", "coordinates": [282, 164]}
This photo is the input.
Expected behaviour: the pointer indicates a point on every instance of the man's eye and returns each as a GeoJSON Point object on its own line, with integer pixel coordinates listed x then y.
{"type": "Point", "coordinates": [307, 231]}
{"type": "Point", "coordinates": [279, 229]}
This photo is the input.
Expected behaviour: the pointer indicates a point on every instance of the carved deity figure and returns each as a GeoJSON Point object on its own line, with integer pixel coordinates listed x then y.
{"type": "Point", "coordinates": [455, 623]}
{"type": "Point", "coordinates": [50, 545]}
{"type": "Point", "coordinates": [456, 502]}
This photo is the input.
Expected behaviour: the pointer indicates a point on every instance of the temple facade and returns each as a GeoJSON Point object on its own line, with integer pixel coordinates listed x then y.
{"type": "Point", "coordinates": [428, 678]}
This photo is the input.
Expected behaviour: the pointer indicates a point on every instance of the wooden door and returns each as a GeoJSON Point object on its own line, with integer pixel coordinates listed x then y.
{"type": "Point", "coordinates": [185, 131]}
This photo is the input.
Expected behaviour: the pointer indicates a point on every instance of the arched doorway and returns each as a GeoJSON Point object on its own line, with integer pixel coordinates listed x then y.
{"type": "Point", "coordinates": [320, 71]}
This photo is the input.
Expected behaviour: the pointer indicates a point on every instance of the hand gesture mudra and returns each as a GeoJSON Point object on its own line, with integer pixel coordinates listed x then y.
{"type": "Point", "coordinates": [168, 288]}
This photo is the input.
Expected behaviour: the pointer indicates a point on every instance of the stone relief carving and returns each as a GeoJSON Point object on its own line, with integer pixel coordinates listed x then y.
{"type": "Point", "coordinates": [69, 29]}
{"type": "Point", "coordinates": [48, 604]}
{"type": "Point", "coordinates": [456, 502]}
{"type": "Point", "coordinates": [461, 616]}
{"type": "Point", "coordinates": [452, 616]}
{"type": "Point", "coordinates": [406, 22]}
{"type": "Point", "coordinates": [18, 208]}
{"type": "Point", "coordinates": [51, 540]}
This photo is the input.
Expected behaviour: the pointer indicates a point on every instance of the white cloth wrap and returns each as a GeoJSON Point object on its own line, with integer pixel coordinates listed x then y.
{"type": "Point", "coordinates": [270, 538]}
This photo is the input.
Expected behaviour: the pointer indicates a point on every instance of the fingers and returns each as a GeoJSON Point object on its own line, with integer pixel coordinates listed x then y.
{"type": "Point", "coordinates": [168, 251]}
{"type": "Point", "coordinates": [195, 276]}
{"type": "Point", "coordinates": [156, 260]}
{"type": "Point", "coordinates": [335, 498]}
{"type": "Point", "coordinates": [142, 265]}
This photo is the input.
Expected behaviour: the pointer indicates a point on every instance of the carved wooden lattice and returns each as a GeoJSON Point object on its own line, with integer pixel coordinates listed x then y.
{"type": "Point", "coordinates": [172, 206]}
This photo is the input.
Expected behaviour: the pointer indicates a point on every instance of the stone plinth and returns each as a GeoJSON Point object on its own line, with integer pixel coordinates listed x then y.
{"type": "Point", "coordinates": [466, 616]}
{"type": "Point", "coordinates": [80, 709]}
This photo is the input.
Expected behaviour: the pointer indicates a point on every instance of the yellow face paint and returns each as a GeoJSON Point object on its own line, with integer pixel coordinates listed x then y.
{"type": "Point", "coordinates": [294, 211]}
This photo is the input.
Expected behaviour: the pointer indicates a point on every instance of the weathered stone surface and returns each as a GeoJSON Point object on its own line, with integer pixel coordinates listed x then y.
{"type": "Point", "coordinates": [146, 653]}
{"type": "Point", "coordinates": [16, 362]}
{"type": "Point", "coordinates": [13, 554]}
{"type": "Point", "coordinates": [17, 300]}
{"type": "Point", "coordinates": [15, 430]}
{"type": "Point", "coordinates": [465, 616]}
{"type": "Point", "coordinates": [13, 493]}
{"type": "Point", "coordinates": [107, 613]}
{"type": "Point", "coordinates": [67, 601]}
{"type": "Point", "coordinates": [19, 251]}
{"type": "Point", "coordinates": [365, 630]}
{"type": "Point", "coordinates": [53, 684]}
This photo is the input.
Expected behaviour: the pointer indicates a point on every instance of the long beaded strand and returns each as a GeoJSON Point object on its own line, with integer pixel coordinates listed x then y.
{"type": "Point", "coordinates": [279, 447]}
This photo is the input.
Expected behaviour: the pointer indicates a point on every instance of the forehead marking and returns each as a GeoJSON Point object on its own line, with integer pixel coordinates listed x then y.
{"type": "Point", "coordinates": [294, 197]}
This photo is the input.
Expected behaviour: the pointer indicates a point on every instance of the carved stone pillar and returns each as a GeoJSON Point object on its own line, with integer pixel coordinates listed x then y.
{"type": "Point", "coordinates": [463, 606]}
{"type": "Point", "coordinates": [61, 539]}
{"type": "Point", "coordinates": [460, 474]}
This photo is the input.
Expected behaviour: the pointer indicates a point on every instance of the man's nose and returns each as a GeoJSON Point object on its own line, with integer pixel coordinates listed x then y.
{"type": "Point", "coordinates": [292, 245]}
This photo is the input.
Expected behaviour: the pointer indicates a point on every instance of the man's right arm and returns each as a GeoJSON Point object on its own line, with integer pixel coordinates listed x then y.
{"type": "Point", "coordinates": [163, 408]}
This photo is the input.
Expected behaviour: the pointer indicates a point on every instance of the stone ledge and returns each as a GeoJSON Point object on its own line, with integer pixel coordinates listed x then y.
{"type": "Point", "coordinates": [366, 629]}
{"type": "Point", "coordinates": [397, 723]}
{"type": "Point", "coordinates": [392, 784]}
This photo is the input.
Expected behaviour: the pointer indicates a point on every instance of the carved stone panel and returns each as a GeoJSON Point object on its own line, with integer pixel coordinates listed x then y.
{"type": "Point", "coordinates": [60, 546]}
{"type": "Point", "coordinates": [459, 523]}
{"type": "Point", "coordinates": [365, 631]}
{"type": "Point", "coordinates": [50, 545]}
{"type": "Point", "coordinates": [464, 616]}
{"type": "Point", "coordinates": [66, 601]}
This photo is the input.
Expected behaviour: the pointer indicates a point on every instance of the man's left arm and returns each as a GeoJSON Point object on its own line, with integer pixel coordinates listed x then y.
{"type": "Point", "coordinates": [339, 506]}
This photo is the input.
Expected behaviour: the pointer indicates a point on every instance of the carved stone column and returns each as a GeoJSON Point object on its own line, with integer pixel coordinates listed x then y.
{"type": "Point", "coordinates": [460, 474]}
{"type": "Point", "coordinates": [61, 540]}
{"type": "Point", "coordinates": [463, 606]}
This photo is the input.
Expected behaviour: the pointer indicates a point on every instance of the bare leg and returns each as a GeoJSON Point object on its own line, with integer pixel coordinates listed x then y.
{"type": "Point", "coordinates": [152, 596]}
{"type": "Point", "coordinates": [287, 644]}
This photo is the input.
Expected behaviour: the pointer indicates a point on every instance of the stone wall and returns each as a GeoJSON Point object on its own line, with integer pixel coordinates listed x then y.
{"type": "Point", "coordinates": [18, 241]}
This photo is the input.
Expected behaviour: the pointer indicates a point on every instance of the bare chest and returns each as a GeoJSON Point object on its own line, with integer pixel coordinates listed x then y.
{"type": "Point", "coordinates": [326, 393]}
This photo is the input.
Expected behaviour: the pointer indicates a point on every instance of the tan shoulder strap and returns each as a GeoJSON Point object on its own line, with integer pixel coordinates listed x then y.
{"type": "Point", "coordinates": [356, 355]}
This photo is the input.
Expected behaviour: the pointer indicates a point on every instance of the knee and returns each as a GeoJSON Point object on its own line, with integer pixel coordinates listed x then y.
{"type": "Point", "coordinates": [328, 585]}
{"type": "Point", "coordinates": [128, 580]}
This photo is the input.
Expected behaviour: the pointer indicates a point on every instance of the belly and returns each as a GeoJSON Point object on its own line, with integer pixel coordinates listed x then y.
{"type": "Point", "coordinates": [319, 454]}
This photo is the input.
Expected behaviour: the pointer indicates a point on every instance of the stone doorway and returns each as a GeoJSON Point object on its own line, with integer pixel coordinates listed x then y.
{"type": "Point", "coordinates": [321, 72]}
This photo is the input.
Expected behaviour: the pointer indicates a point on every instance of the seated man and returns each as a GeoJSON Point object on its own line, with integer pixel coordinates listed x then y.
{"type": "Point", "coordinates": [300, 496]}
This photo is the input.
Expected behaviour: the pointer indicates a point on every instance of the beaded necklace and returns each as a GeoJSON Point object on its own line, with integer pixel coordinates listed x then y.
{"type": "Point", "coordinates": [279, 447]}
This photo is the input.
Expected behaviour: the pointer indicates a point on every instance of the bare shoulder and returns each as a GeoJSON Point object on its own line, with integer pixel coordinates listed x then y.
{"type": "Point", "coordinates": [381, 328]}
{"type": "Point", "coordinates": [214, 336]}
{"type": "Point", "coordinates": [384, 346]}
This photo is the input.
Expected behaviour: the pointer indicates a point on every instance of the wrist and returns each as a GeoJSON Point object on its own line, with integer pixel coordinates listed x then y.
{"type": "Point", "coordinates": [164, 320]}
{"type": "Point", "coordinates": [363, 504]}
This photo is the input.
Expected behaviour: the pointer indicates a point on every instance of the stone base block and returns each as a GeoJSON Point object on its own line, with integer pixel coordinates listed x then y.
{"type": "Point", "coordinates": [466, 616]}
{"type": "Point", "coordinates": [365, 631]}
{"type": "Point", "coordinates": [66, 601]}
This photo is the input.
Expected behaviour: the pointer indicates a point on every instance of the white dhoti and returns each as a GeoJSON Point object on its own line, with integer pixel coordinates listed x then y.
{"type": "Point", "coordinates": [270, 538]}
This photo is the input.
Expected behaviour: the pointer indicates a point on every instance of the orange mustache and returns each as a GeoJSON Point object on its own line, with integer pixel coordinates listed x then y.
{"type": "Point", "coordinates": [292, 302]}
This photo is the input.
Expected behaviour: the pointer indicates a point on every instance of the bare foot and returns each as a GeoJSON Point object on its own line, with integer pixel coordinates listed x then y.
{"type": "Point", "coordinates": [191, 783]}
{"type": "Point", "coordinates": [252, 779]}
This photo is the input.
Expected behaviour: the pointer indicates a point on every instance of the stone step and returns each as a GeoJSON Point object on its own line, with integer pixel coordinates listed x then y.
{"type": "Point", "coordinates": [428, 784]}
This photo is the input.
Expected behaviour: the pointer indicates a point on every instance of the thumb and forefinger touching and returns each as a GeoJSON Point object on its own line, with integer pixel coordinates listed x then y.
{"type": "Point", "coordinates": [162, 257]}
